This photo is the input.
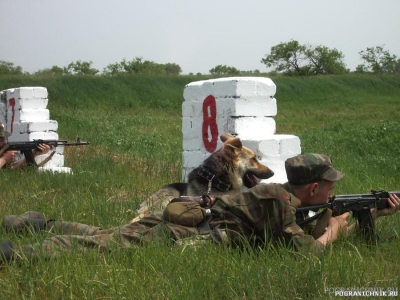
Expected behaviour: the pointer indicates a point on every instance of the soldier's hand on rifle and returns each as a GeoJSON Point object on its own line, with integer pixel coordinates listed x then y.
{"type": "Point", "coordinates": [336, 225]}
{"type": "Point", "coordinates": [394, 203]}
{"type": "Point", "coordinates": [341, 220]}
{"type": "Point", "coordinates": [43, 149]}
{"type": "Point", "coordinates": [8, 157]}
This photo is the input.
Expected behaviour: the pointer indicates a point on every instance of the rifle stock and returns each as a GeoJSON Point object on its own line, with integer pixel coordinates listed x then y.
{"type": "Point", "coordinates": [26, 147]}
{"type": "Point", "coordinates": [360, 205]}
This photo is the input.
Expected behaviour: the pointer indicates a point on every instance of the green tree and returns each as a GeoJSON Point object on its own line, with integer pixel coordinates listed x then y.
{"type": "Point", "coordinates": [172, 69]}
{"type": "Point", "coordinates": [326, 61]}
{"type": "Point", "coordinates": [141, 67]}
{"type": "Point", "coordinates": [250, 72]}
{"type": "Point", "coordinates": [224, 70]}
{"type": "Point", "coordinates": [81, 68]}
{"type": "Point", "coordinates": [113, 69]}
{"type": "Point", "coordinates": [292, 58]}
{"type": "Point", "coordinates": [378, 60]}
{"type": "Point", "coordinates": [53, 71]}
{"type": "Point", "coordinates": [8, 68]}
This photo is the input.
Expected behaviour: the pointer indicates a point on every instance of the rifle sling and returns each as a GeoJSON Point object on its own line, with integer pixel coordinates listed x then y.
{"type": "Point", "coordinates": [47, 159]}
{"type": "Point", "coordinates": [308, 220]}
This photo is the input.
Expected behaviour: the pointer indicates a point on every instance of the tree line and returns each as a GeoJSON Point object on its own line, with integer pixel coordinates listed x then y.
{"type": "Point", "coordinates": [288, 58]}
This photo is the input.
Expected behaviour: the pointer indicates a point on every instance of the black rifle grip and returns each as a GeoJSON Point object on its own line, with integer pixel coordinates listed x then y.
{"type": "Point", "coordinates": [30, 159]}
{"type": "Point", "coordinates": [366, 224]}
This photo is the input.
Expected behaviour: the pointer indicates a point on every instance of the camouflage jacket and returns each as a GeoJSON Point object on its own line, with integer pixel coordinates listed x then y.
{"type": "Point", "coordinates": [264, 214]}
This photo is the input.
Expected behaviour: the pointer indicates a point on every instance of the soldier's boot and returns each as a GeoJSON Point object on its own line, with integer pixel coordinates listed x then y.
{"type": "Point", "coordinates": [6, 251]}
{"type": "Point", "coordinates": [30, 220]}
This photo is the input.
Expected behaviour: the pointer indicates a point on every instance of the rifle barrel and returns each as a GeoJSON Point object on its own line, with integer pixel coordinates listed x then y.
{"type": "Point", "coordinates": [380, 197]}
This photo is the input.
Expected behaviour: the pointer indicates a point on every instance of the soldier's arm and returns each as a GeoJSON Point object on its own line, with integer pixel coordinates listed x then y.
{"type": "Point", "coordinates": [335, 225]}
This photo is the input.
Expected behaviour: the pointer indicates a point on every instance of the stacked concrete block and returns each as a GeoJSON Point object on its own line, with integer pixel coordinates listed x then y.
{"type": "Point", "coordinates": [25, 115]}
{"type": "Point", "coordinates": [242, 106]}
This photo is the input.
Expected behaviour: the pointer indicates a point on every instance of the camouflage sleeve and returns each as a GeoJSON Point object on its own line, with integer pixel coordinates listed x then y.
{"type": "Point", "coordinates": [295, 235]}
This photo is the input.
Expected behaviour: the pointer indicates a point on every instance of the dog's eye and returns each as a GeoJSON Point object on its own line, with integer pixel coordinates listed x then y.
{"type": "Point", "coordinates": [254, 159]}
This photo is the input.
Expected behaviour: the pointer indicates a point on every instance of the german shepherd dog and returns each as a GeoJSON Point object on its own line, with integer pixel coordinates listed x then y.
{"type": "Point", "coordinates": [225, 171]}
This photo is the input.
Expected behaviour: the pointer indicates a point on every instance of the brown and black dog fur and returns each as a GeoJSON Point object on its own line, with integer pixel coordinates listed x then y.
{"type": "Point", "coordinates": [227, 170]}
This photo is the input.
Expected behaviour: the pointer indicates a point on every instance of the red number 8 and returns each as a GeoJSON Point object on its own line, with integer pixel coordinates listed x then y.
{"type": "Point", "coordinates": [210, 121]}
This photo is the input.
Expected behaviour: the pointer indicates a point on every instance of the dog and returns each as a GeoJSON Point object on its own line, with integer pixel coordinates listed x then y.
{"type": "Point", "coordinates": [225, 171]}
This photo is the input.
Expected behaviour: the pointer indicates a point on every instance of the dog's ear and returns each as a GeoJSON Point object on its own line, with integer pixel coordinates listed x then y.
{"type": "Point", "coordinates": [226, 136]}
{"type": "Point", "coordinates": [232, 147]}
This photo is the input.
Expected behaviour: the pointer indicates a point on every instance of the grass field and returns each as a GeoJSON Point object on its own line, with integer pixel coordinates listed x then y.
{"type": "Point", "coordinates": [134, 126]}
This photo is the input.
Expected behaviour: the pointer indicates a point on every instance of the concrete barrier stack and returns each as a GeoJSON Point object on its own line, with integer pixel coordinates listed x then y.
{"type": "Point", "coordinates": [242, 106]}
{"type": "Point", "coordinates": [24, 113]}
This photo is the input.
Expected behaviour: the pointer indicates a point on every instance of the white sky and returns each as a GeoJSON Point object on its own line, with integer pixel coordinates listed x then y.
{"type": "Point", "coordinates": [195, 34]}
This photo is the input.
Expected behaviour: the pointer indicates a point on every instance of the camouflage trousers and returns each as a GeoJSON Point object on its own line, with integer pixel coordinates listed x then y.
{"type": "Point", "coordinates": [72, 236]}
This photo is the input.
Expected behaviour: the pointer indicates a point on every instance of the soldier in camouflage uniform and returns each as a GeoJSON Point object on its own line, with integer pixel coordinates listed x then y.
{"type": "Point", "coordinates": [263, 215]}
{"type": "Point", "coordinates": [7, 158]}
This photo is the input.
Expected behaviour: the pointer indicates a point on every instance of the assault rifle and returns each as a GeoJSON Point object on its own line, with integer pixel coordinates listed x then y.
{"type": "Point", "coordinates": [359, 204]}
{"type": "Point", "coordinates": [27, 147]}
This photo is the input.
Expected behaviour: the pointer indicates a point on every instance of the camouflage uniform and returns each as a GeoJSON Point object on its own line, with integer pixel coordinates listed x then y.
{"type": "Point", "coordinates": [70, 235]}
{"type": "Point", "coordinates": [265, 214]}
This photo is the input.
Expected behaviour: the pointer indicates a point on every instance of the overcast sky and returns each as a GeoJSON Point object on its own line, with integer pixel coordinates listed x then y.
{"type": "Point", "coordinates": [195, 34]}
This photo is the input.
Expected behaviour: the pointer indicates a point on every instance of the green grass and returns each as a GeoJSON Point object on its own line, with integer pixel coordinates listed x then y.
{"type": "Point", "coordinates": [134, 126]}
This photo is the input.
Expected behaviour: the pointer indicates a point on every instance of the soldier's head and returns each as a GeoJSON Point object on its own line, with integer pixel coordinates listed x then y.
{"type": "Point", "coordinates": [312, 177]}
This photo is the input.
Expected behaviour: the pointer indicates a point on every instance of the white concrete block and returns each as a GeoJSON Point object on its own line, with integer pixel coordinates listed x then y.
{"type": "Point", "coordinates": [289, 146]}
{"type": "Point", "coordinates": [192, 109]}
{"type": "Point", "coordinates": [56, 161]}
{"type": "Point", "coordinates": [40, 103]}
{"type": "Point", "coordinates": [192, 144]}
{"type": "Point", "coordinates": [28, 127]}
{"type": "Point", "coordinates": [196, 91]}
{"type": "Point", "coordinates": [254, 146]}
{"type": "Point", "coordinates": [277, 165]}
{"type": "Point", "coordinates": [186, 172]}
{"type": "Point", "coordinates": [192, 127]}
{"type": "Point", "coordinates": [26, 93]}
{"type": "Point", "coordinates": [56, 170]}
{"type": "Point", "coordinates": [15, 137]}
{"type": "Point", "coordinates": [282, 145]}
{"type": "Point", "coordinates": [243, 87]}
{"type": "Point", "coordinates": [279, 177]}
{"type": "Point", "coordinates": [270, 146]}
{"type": "Point", "coordinates": [23, 111]}
{"type": "Point", "coordinates": [193, 158]}
{"type": "Point", "coordinates": [236, 107]}
{"type": "Point", "coordinates": [34, 115]}
{"type": "Point", "coordinates": [17, 93]}
{"type": "Point", "coordinates": [197, 144]}
{"type": "Point", "coordinates": [227, 107]}
{"type": "Point", "coordinates": [245, 106]}
{"type": "Point", "coordinates": [40, 92]}
{"type": "Point", "coordinates": [43, 136]}
{"type": "Point", "coordinates": [29, 115]}
{"type": "Point", "coordinates": [24, 137]}
{"type": "Point", "coordinates": [252, 128]}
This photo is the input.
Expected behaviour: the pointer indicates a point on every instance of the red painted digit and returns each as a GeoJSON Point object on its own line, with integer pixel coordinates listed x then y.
{"type": "Point", "coordinates": [11, 102]}
{"type": "Point", "coordinates": [210, 124]}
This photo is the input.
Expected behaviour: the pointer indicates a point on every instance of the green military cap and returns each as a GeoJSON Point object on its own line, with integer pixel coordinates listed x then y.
{"type": "Point", "coordinates": [309, 168]}
{"type": "Point", "coordinates": [3, 132]}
